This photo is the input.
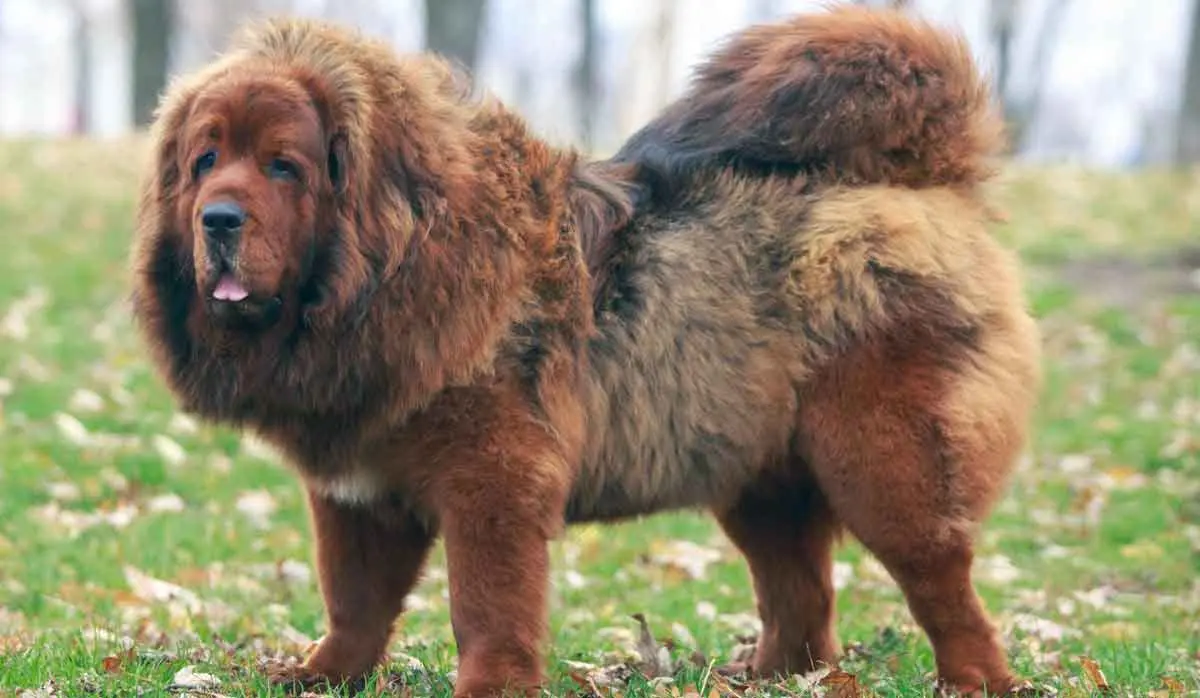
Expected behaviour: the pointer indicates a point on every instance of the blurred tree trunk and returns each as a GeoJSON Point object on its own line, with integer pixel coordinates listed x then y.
{"type": "Point", "coordinates": [585, 72]}
{"type": "Point", "coordinates": [82, 46]}
{"type": "Point", "coordinates": [1003, 18]}
{"type": "Point", "coordinates": [152, 22]}
{"type": "Point", "coordinates": [1020, 109]}
{"type": "Point", "coordinates": [1187, 146]}
{"type": "Point", "coordinates": [763, 10]}
{"type": "Point", "coordinates": [664, 41]}
{"type": "Point", "coordinates": [453, 28]}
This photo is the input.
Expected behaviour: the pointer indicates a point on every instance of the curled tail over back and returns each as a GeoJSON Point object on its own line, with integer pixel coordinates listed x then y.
{"type": "Point", "coordinates": [851, 95]}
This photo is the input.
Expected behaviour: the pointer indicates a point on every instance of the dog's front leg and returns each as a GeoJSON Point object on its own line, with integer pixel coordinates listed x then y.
{"type": "Point", "coordinates": [498, 509]}
{"type": "Point", "coordinates": [367, 564]}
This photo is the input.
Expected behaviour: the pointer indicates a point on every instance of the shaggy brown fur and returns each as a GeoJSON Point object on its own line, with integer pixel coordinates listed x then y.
{"type": "Point", "coordinates": [779, 303]}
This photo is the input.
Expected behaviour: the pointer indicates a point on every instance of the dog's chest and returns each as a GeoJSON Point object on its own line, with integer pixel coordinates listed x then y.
{"type": "Point", "coordinates": [355, 486]}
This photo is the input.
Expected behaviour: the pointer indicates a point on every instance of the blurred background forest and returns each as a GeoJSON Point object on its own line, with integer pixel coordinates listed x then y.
{"type": "Point", "coordinates": [1106, 83]}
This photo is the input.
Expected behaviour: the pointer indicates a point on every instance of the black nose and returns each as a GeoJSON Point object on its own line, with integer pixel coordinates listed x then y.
{"type": "Point", "coordinates": [222, 219]}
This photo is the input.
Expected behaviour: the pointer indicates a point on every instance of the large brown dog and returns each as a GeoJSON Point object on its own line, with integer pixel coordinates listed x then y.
{"type": "Point", "coordinates": [778, 303]}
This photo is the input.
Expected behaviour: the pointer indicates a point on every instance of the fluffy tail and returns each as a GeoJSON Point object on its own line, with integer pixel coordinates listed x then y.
{"type": "Point", "coordinates": [853, 95]}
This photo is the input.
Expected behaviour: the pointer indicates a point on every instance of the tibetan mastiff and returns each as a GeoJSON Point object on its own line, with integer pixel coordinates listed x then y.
{"type": "Point", "coordinates": [779, 303]}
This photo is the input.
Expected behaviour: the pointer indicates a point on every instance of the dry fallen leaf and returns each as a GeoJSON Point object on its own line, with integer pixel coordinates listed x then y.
{"type": "Point", "coordinates": [72, 429]}
{"type": "Point", "coordinates": [113, 663]}
{"type": "Point", "coordinates": [1041, 628]}
{"type": "Point", "coordinates": [165, 503]}
{"type": "Point", "coordinates": [840, 684]}
{"type": "Point", "coordinates": [1095, 674]}
{"type": "Point", "coordinates": [1172, 687]}
{"type": "Point", "coordinates": [257, 505]}
{"type": "Point", "coordinates": [11, 644]}
{"type": "Point", "coordinates": [63, 491]}
{"type": "Point", "coordinates": [169, 449]}
{"type": "Point", "coordinates": [83, 400]}
{"type": "Point", "coordinates": [686, 556]}
{"type": "Point", "coordinates": [998, 569]}
{"type": "Point", "coordinates": [655, 659]}
{"type": "Point", "coordinates": [843, 572]}
{"type": "Point", "coordinates": [188, 679]}
{"type": "Point", "coordinates": [183, 424]}
{"type": "Point", "coordinates": [255, 447]}
{"type": "Point", "coordinates": [148, 588]}
{"type": "Point", "coordinates": [50, 688]}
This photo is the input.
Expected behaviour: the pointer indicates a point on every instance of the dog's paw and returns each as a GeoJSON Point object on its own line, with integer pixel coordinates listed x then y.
{"type": "Point", "coordinates": [1006, 686]}
{"type": "Point", "coordinates": [295, 677]}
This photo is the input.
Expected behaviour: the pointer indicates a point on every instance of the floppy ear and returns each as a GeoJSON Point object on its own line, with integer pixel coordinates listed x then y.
{"type": "Point", "coordinates": [162, 282]}
{"type": "Point", "coordinates": [163, 174]}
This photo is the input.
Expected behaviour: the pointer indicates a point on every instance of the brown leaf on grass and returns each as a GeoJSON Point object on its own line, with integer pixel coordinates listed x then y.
{"type": "Point", "coordinates": [655, 659]}
{"type": "Point", "coordinates": [841, 684]}
{"type": "Point", "coordinates": [1171, 687]}
{"type": "Point", "coordinates": [1091, 668]}
{"type": "Point", "coordinates": [11, 644]}
{"type": "Point", "coordinates": [115, 663]}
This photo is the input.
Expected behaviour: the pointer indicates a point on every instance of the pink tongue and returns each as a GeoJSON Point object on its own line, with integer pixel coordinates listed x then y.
{"type": "Point", "coordinates": [230, 289]}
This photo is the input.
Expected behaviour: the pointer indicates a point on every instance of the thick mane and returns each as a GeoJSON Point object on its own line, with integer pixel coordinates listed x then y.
{"type": "Point", "coordinates": [421, 268]}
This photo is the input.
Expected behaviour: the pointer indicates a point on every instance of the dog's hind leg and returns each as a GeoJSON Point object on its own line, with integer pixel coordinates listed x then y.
{"type": "Point", "coordinates": [787, 537]}
{"type": "Point", "coordinates": [911, 439]}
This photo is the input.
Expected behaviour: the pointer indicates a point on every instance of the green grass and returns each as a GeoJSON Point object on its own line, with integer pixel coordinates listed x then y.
{"type": "Point", "coordinates": [1095, 552]}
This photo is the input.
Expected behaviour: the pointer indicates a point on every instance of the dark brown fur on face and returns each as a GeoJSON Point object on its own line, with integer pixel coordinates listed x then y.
{"type": "Point", "coordinates": [778, 303]}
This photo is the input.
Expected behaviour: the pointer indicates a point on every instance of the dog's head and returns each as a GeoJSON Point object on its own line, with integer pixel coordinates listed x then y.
{"type": "Point", "coordinates": [292, 184]}
{"type": "Point", "coordinates": [259, 173]}
{"type": "Point", "coordinates": [288, 175]}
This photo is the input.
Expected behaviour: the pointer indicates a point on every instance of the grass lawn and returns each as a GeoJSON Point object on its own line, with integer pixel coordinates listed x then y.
{"type": "Point", "coordinates": [141, 551]}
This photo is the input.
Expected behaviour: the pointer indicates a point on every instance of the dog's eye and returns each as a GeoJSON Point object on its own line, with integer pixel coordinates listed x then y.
{"type": "Point", "coordinates": [204, 163]}
{"type": "Point", "coordinates": [284, 169]}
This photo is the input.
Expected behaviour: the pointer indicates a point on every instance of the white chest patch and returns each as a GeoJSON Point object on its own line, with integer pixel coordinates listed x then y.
{"type": "Point", "coordinates": [356, 487]}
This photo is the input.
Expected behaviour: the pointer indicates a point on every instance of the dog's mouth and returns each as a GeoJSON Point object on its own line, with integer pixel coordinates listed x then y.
{"type": "Point", "coordinates": [229, 289]}
{"type": "Point", "coordinates": [231, 303]}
